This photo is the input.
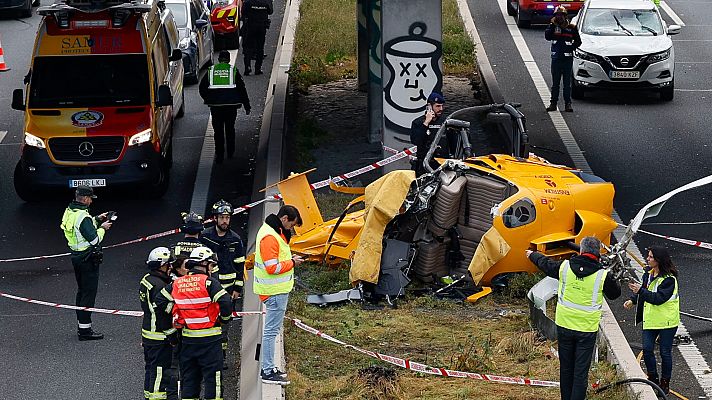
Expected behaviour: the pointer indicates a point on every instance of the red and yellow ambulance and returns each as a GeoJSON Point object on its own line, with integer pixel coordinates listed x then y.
{"type": "Point", "coordinates": [100, 98]}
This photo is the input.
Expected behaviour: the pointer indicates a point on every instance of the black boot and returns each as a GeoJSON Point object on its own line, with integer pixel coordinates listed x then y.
{"type": "Point", "coordinates": [568, 108]}
{"type": "Point", "coordinates": [552, 106]}
{"type": "Point", "coordinates": [654, 379]}
{"type": "Point", "coordinates": [88, 334]}
{"type": "Point", "coordinates": [248, 69]}
{"type": "Point", "coordinates": [665, 385]}
{"type": "Point", "coordinates": [258, 68]}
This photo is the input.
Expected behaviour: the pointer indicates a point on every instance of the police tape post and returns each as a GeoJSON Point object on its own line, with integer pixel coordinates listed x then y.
{"type": "Point", "coordinates": [241, 209]}
{"type": "Point", "coordinates": [422, 368]}
{"type": "Point", "coordinates": [397, 361]}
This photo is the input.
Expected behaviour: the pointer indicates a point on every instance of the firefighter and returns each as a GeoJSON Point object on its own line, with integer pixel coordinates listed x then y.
{"type": "Point", "coordinates": [255, 16]}
{"type": "Point", "coordinates": [191, 229]}
{"type": "Point", "coordinates": [199, 305]}
{"type": "Point", "coordinates": [230, 251]}
{"type": "Point", "coordinates": [582, 283]}
{"type": "Point", "coordinates": [156, 327]}
{"type": "Point", "coordinates": [84, 234]}
{"type": "Point", "coordinates": [223, 90]}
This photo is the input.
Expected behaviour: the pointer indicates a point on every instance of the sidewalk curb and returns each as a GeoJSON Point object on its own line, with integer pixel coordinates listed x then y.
{"type": "Point", "coordinates": [268, 171]}
{"type": "Point", "coordinates": [618, 351]}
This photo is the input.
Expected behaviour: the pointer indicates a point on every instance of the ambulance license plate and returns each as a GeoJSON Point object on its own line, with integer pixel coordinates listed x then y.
{"type": "Point", "coordinates": [625, 74]}
{"type": "Point", "coordinates": [73, 183]}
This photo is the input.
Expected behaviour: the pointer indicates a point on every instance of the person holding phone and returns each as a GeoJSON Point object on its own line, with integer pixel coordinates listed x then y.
{"type": "Point", "coordinates": [273, 281]}
{"type": "Point", "coordinates": [84, 235]}
{"type": "Point", "coordinates": [424, 128]}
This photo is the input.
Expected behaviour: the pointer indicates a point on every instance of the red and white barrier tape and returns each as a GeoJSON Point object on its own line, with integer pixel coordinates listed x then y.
{"type": "Point", "coordinates": [103, 310]}
{"type": "Point", "coordinates": [394, 151]}
{"type": "Point", "coordinates": [695, 243]}
{"type": "Point", "coordinates": [241, 209]}
{"type": "Point", "coordinates": [426, 369]}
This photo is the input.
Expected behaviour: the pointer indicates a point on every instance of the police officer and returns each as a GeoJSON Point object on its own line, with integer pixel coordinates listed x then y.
{"type": "Point", "coordinates": [156, 328]}
{"type": "Point", "coordinates": [84, 234]}
{"type": "Point", "coordinates": [424, 128]}
{"type": "Point", "coordinates": [199, 305]}
{"type": "Point", "coordinates": [582, 284]}
{"type": "Point", "coordinates": [228, 247]}
{"type": "Point", "coordinates": [191, 229]}
{"type": "Point", "coordinates": [255, 17]}
{"type": "Point", "coordinates": [223, 90]}
{"type": "Point", "coordinates": [565, 38]}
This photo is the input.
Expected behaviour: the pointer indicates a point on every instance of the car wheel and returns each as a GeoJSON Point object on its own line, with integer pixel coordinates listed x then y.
{"type": "Point", "coordinates": [27, 11]}
{"type": "Point", "coordinates": [667, 93]}
{"type": "Point", "coordinates": [522, 23]}
{"type": "Point", "coordinates": [578, 92]}
{"type": "Point", "coordinates": [157, 189]}
{"type": "Point", "coordinates": [181, 110]}
{"type": "Point", "coordinates": [510, 8]}
{"type": "Point", "coordinates": [22, 189]}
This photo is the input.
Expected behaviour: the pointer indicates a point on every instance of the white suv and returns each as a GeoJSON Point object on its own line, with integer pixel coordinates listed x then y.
{"type": "Point", "coordinates": [625, 45]}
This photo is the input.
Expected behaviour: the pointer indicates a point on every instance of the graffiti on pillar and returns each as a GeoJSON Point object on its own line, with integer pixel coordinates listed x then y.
{"type": "Point", "coordinates": [373, 13]}
{"type": "Point", "coordinates": [414, 65]}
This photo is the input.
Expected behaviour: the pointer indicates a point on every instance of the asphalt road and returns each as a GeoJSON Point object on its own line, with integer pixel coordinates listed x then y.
{"type": "Point", "coordinates": [40, 354]}
{"type": "Point", "coordinates": [644, 146]}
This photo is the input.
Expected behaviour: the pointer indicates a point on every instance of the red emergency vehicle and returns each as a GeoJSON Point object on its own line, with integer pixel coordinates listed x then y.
{"type": "Point", "coordinates": [527, 12]}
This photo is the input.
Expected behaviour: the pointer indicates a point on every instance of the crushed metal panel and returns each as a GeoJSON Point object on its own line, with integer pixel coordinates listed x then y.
{"type": "Point", "coordinates": [538, 295]}
{"type": "Point", "coordinates": [492, 248]}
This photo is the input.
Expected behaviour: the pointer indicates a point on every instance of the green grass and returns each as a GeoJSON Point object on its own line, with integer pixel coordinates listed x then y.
{"type": "Point", "coordinates": [308, 136]}
{"type": "Point", "coordinates": [326, 42]}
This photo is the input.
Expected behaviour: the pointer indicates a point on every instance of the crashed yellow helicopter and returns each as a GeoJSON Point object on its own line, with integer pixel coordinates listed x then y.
{"type": "Point", "coordinates": [471, 218]}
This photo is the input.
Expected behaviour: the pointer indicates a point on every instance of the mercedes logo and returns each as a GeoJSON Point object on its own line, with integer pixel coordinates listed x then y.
{"type": "Point", "coordinates": [86, 149]}
{"type": "Point", "coordinates": [625, 61]}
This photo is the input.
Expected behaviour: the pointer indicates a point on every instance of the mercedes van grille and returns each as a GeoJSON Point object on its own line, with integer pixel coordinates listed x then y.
{"type": "Point", "coordinates": [88, 149]}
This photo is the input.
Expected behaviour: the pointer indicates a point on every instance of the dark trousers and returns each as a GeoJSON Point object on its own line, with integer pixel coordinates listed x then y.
{"type": "Point", "coordinates": [172, 390]}
{"type": "Point", "coordinates": [201, 362]}
{"type": "Point", "coordinates": [253, 44]}
{"type": "Point", "coordinates": [223, 118]}
{"type": "Point", "coordinates": [561, 70]}
{"type": "Point", "coordinates": [666, 339]}
{"type": "Point", "coordinates": [159, 373]}
{"type": "Point", "coordinates": [87, 274]}
{"type": "Point", "coordinates": [575, 353]}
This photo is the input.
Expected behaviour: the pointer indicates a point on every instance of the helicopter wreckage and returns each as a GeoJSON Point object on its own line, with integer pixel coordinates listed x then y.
{"type": "Point", "coordinates": [460, 228]}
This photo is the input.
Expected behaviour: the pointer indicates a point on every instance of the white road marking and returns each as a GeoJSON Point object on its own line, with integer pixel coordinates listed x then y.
{"type": "Point", "coordinates": [2, 135]}
{"type": "Point", "coordinates": [693, 90]}
{"type": "Point", "coordinates": [692, 40]}
{"type": "Point", "coordinates": [669, 11]}
{"type": "Point", "coordinates": [694, 359]}
{"type": "Point", "coordinates": [199, 200]}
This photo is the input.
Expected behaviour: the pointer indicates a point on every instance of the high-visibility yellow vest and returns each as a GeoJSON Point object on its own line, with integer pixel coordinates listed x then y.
{"type": "Point", "coordinates": [580, 299]}
{"type": "Point", "coordinates": [221, 76]}
{"type": "Point", "coordinates": [663, 316]}
{"type": "Point", "coordinates": [71, 221]}
{"type": "Point", "coordinates": [270, 284]}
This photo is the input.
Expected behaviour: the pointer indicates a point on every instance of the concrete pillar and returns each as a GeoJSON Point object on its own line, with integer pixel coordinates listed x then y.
{"type": "Point", "coordinates": [411, 66]}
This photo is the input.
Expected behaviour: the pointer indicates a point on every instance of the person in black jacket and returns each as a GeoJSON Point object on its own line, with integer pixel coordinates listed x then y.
{"type": "Point", "coordinates": [423, 130]}
{"type": "Point", "coordinates": [160, 378]}
{"type": "Point", "coordinates": [565, 38]}
{"type": "Point", "coordinates": [223, 90]}
{"type": "Point", "coordinates": [255, 19]}
{"type": "Point", "coordinates": [577, 314]}
{"type": "Point", "coordinates": [658, 308]}
{"type": "Point", "coordinates": [230, 251]}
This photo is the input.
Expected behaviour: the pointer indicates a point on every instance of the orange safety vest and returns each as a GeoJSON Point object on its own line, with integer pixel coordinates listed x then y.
{"type": "Point", "coordinates": [193, 308]}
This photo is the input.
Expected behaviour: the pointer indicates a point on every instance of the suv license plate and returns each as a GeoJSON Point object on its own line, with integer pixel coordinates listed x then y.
{"type": "Point", "coordinates": [87, 182]}
{"type": "Point", "coordinates": [625, 74]}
